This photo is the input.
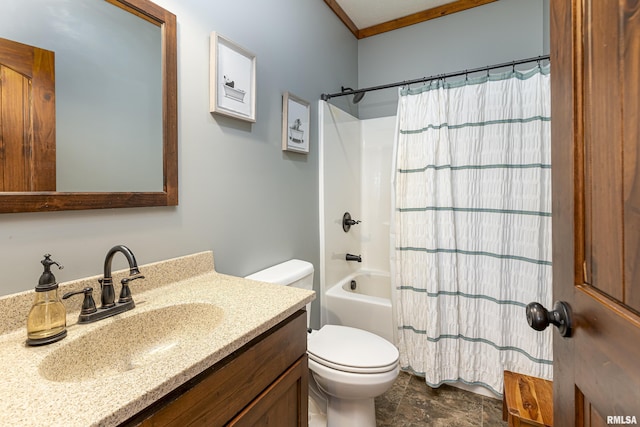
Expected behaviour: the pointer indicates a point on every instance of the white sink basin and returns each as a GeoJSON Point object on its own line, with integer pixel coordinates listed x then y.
{"type": "Point", "coordinates": [131, 342]}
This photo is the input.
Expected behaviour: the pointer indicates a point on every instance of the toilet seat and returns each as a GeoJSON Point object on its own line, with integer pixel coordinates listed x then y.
{"type": "Point", "coordinates": [352, 350]}
{"type": "Point", "coordinates": [350, 385]}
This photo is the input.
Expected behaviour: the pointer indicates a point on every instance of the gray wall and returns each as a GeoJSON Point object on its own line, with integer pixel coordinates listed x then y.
{"type": "Point", "coordinates": [498, 32]}
{"type": "Point", "coordinates": [546, 26]}
{"type": "Point", "coordinates": [240, 194]}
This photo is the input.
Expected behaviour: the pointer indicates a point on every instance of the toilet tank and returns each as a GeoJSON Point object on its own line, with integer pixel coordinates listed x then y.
{"type": "Point", "coordinates": [295, 272]}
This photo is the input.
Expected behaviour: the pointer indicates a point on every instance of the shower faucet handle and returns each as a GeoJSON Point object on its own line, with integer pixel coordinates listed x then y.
{"type": "Point", "coordinates": [347, 222]}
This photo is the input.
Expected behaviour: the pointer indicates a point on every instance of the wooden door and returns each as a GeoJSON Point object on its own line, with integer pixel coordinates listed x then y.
{"type": "Point", "coordinates": [595, 89]}
{"type": "Point", "coordinates": [27, 118]}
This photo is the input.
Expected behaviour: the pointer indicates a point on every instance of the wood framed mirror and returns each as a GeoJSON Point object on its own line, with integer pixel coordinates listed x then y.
{"type": "Point", "coordinates": [43, 201]}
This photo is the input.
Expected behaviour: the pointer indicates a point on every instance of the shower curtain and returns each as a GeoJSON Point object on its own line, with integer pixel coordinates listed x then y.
{"type": "Point", "coordinates": [471, 234]}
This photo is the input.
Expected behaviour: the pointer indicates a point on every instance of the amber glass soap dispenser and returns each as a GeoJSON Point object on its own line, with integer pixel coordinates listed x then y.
{"type": "Point", "coordinates": [47, 320]}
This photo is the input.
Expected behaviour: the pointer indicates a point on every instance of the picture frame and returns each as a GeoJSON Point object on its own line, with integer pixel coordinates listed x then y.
{"type": "Point", "coordinates": [295, 123]}
{"type": "Point", "coordinates": [232, 74]}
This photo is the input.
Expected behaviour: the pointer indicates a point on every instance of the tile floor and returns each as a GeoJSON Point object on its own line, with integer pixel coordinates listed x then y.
{"type": "Point", "coordinates": [411, 403]}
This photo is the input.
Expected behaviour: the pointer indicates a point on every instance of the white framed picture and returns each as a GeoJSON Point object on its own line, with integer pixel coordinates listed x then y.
{"type": "Point", "coordinates": [232, 79]}
{"type": "Point", "coordinates": [295, 123]}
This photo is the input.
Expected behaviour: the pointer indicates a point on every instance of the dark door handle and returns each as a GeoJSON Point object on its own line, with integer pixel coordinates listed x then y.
{"type": "Point", "coordinates": [539, 317]}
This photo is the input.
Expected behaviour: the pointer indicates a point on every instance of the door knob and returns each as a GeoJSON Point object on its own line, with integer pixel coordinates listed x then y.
{"type": "Point", "coordinates": [539, 317]}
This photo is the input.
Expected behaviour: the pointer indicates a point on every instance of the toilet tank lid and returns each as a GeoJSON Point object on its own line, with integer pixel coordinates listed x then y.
{"type": "Point", "coordinates": [284, 273]}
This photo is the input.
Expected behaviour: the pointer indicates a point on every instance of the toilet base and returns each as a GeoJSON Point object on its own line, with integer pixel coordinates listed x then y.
{"type": "Point", "coordinates": [317, 418]}
{"type": "Point", "coordinates": [317, 405]}
{"type": "Point", "coordinates": [349, 396]}
{"type": "Point", "coordinates": [352, 413]}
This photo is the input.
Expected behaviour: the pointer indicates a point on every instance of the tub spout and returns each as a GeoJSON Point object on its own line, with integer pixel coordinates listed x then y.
{"type": "Point", "coordinates": [350, 257]}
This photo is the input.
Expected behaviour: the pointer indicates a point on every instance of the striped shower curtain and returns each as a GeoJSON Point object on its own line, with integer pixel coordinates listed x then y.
{"type": "Point", "coordinates": [471, 233]}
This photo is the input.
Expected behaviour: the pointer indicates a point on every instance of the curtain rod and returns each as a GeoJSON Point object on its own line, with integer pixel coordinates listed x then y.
{"type": "Point", "coordinates": [326, 97]}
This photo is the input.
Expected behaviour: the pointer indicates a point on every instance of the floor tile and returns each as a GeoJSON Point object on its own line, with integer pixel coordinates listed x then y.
{"type": "Point", "coordinates": [412, 403]}
{"type": "Point", "coordinates": [492, 412]}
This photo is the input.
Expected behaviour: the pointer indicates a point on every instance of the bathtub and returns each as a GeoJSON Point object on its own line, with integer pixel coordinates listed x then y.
{"type": "Point", "coordinates": [367, 307]}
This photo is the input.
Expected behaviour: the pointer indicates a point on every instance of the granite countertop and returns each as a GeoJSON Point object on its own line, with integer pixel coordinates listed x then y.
{"type": "Point", "coordinates": [248, 308]}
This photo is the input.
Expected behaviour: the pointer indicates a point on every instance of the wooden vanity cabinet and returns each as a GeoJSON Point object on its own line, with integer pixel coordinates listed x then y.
{"type": "Point", "coordinates": [264, 383]}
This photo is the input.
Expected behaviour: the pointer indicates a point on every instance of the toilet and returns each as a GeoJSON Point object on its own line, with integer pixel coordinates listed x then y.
{"type": "Point", "coordinates": [349, 367]}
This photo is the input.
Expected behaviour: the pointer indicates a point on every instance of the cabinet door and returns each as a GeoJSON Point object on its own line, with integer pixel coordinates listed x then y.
{"type": "Point", "coordinates": [283, 404]}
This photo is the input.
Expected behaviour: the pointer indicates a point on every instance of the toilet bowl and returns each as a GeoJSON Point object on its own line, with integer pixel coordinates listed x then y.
{"type": "Point", "coordinates": [349, 367]}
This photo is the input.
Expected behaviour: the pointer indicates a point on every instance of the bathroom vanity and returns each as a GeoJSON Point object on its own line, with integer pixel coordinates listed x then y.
{"type": "Point", "coordinates": [199, 348]}
{"type": "Point", "coordinates": [265, 379]}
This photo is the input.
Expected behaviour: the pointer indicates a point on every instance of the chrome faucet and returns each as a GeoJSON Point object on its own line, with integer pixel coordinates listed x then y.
{"type": "Point", "coordinates": [109, 307]}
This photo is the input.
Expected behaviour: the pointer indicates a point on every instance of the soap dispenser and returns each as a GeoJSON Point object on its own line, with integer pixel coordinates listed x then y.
{"type": "Point", "coordinates": [47, 320]}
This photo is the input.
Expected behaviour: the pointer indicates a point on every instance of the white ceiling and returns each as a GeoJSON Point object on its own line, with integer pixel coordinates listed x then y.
{"type": "Point", "coordinates": [366, 13]}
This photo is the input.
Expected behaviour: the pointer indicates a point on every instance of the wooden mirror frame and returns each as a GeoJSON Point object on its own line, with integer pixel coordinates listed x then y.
{"type": "Point", "coordinates": [14, 202]}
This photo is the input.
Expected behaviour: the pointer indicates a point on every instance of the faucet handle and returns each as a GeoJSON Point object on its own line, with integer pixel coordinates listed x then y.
{"type": "Point", "coordinates": [347, 221]}
{"type": "Point", "coordinates": [88, 304]}
{"type": "Point", "coordinates": [126, 280]}
{"type": "Point", "coordinates": [125, 292]}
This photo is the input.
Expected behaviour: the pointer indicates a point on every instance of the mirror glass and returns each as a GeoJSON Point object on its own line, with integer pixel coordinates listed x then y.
{"type": "Point", "coordinates": [108, 89]}
{"type": "Point", "coordinates": [119, 110]}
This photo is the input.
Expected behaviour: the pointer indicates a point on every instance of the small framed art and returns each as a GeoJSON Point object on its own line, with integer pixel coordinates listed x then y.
{"type": "Point", "coordinates": [295, 123]}
{"type": "Point", "coordinates": [232, 79]}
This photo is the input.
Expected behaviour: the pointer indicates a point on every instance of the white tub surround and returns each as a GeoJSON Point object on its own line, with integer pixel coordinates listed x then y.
{"type": "Point", "coordinates": [250, 308]}
{"type": "Point", "coordinates": [354, 177]}
{"type": "Point", "coordinates": [339, 166]}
